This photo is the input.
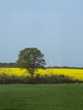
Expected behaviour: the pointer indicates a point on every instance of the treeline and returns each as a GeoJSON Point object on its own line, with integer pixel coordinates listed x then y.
{"type": "Point", "coordinates": [12, 65]}
{"type": "Point", "coordinates": [8, 65]}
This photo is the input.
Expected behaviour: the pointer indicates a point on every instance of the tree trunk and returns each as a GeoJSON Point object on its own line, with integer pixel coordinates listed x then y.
{"type": "Point", "coordinates": [31, 72]}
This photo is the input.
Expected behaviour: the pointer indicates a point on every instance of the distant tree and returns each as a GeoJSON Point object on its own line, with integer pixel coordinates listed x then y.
{"type": "Point", "coordinates": [31, 58]}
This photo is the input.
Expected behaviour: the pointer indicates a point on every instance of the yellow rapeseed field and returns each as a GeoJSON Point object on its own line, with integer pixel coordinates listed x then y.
{"type": "Point", "coordinates": [73, 73]}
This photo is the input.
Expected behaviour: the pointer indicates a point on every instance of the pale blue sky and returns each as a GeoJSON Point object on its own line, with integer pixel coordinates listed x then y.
{"type": "Point", "coordinates": [54, 26]}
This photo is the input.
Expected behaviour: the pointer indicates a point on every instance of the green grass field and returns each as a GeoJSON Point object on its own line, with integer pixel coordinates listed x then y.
{"type": "Point", "coordinates": [41, 97]}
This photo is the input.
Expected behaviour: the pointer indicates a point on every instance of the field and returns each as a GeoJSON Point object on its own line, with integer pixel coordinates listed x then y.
{"type": "Point", "coordinates": [41, 97]}
{"type": "Point", "coordinates": [70, 72]}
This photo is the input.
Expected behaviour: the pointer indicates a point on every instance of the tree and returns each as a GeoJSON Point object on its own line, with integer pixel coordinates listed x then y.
{"type": "Point", "coordinates": [31, 58]}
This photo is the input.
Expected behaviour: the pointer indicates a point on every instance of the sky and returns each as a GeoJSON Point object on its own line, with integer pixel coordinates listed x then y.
{"type": "Point", "coordinates": [53, 26]}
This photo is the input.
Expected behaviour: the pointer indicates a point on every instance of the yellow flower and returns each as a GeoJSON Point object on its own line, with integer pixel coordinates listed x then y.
{"type": "Point", "coordinates": [20, 72]}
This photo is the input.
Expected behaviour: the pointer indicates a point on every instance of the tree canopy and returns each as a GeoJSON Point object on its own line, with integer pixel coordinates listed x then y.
{"type": "Point", "coordinates": [31, 58]}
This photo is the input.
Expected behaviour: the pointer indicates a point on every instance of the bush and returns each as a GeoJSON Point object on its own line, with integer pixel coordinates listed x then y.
{"type": "Point", "coordinates": [53, 79]}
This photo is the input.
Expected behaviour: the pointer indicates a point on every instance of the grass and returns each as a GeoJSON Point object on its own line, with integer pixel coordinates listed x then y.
{"type": "Point", "coordinates": [41, 97]}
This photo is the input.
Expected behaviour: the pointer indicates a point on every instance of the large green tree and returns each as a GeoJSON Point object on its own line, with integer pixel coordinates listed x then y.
{"type": "Point", "coordinates": [31, 58]}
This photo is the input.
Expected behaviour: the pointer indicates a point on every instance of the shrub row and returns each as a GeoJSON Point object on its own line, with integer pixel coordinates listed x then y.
{"type": "Point", "coordinates": [54, 79]}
